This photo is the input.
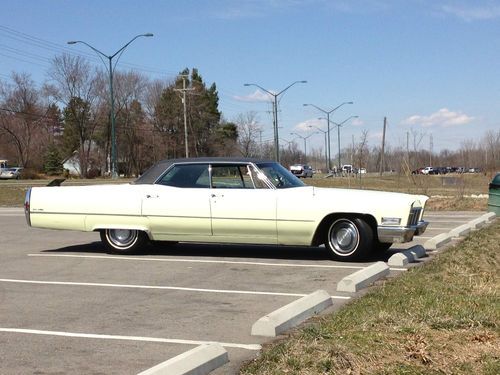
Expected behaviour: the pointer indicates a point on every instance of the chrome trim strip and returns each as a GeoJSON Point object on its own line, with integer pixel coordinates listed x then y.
{"type": "Point", "coordinates": [27, 203]}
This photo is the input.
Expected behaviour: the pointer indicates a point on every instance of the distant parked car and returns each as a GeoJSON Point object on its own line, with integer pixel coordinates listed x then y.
{"type": "Point", "coordinates": [347, 168]}
{"type": "Point", "coordinates": [302, 170]}
{"type": "Point", "coordinates": [417, 171]}
{"type": "Point", "coordinates": [474, 170]}
{"type": "Point", "coordinates": [11, 173]}
{"type": "Point", "coordinates": [428, 170]}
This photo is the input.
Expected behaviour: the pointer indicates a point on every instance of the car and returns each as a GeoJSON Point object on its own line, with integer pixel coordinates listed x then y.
{"type": "Point", "coordinates": [428, 170]}
{"type": "Point", "coordinates": [302, 170]}
{"type": "Point", "coordinates": [347, 168]}
{"type": "Point", "coordinates": [11, 173]}
{"type": "Point", "coordinates": [232, 201]}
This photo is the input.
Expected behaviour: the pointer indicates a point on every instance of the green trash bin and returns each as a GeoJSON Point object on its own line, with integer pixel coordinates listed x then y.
{"type": "Point", "coordinates": [494, 198]}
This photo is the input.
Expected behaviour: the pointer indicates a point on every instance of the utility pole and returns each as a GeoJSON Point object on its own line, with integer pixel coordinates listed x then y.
{"type": "Point", "coordinates": [383, 146]}
{"type": "Point", "coordinates": [183, 99]}
{"type": "Point", "coordinates": [431, 147]}
{"type": "Point", "coordinates": [408, 149]}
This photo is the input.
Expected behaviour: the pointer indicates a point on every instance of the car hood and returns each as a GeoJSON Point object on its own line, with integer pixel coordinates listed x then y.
{"type": "Point", "coordinates": [380, 197]}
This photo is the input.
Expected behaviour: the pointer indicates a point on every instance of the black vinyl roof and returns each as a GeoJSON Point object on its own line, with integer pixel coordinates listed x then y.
{"type": "Point", "coordinates": [155, 171]}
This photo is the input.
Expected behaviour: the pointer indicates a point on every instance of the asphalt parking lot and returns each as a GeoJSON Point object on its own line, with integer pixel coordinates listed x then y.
{"type": "Point", "coordinates": [68, 307]}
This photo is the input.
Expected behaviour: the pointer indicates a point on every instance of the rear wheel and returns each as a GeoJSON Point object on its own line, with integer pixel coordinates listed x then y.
{"type": "Point", "coordinates": [123, 241]}
{"type": "Point", "coordinates": [349, 239]}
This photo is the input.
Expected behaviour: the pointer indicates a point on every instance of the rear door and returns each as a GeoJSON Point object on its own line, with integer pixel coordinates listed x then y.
{"type": "Point", "coordinates": [178, 206]}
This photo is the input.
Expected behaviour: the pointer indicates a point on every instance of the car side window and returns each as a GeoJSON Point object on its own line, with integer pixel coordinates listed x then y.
{"type": "Point", "coordinates": [231, 177]}
{"type": "Point", "coordinates": [187, 176]}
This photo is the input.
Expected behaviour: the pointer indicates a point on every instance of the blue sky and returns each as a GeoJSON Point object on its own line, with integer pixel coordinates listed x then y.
{"type": "Point", "coordinates": [431, 67]}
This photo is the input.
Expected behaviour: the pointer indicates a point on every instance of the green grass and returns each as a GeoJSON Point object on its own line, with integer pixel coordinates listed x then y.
{"type": "Point", "coordinates": [440, 318]}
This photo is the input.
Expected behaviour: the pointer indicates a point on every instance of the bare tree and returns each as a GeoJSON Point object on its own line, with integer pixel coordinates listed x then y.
{"type": "Point", "coordinates": [71, 80]}
{"type": "Point", "coordinates": [248, 133]}
{"type": "Point", "coordinates": [22, 117]}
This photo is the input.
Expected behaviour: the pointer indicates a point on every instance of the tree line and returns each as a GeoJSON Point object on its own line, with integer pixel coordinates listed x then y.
{"type": "Point", "coordinates": [69, 117]}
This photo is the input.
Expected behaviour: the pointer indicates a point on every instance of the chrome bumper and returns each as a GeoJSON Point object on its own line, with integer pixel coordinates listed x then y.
{"type": "Point", "coordinates": [388, 234]}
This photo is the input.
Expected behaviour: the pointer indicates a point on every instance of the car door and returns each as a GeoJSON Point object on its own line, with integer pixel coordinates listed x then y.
{"type": "Point", "coordinates": [243, 207]}
{"type": "Point", "coordinates": [178, 205]}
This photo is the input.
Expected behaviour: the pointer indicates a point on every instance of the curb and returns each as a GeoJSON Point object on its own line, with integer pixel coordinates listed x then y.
{"type": "Point", "coordinates": [478, 223]}
{"type": "Point", "coordinates": [292, 314]}
{"type": "Point", "coordinates": [363, 278]}
{"type": "Point", "coordinates": [198, 361]}
{"type": "Point", "coordinates": [408, 256]}
{"type": "Point", "coordinates": [461, 231]}
{"type": "Point", "coordinates": [489, 216]}
{"type": "Point", "coordinates": [437, 241]}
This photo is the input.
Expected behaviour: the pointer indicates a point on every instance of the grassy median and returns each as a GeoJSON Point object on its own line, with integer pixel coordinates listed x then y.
{"type": "Point", "coordinates": [441, 318]}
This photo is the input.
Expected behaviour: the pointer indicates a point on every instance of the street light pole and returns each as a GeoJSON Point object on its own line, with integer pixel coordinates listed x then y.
{"type": "Point", "coordinates": [325, 132]}
{"type": "Point", "coordinates": [338, 133]}
{"type": "Point", "coordinates": [275, 113]}
{"type": "Point", "coordinates": [327, 113]}
{"type": "Point", "coordinates": [305, 144]}
{"type": "Point", "coordinates": [114, 172]}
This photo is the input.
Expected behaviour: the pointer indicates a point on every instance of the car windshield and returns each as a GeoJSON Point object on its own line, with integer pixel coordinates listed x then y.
{"type": "Point", "coordinates": [280, 177]}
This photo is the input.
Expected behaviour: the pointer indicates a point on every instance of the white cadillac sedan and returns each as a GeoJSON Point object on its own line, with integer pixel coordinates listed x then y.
{"type": "Point", "coordinates": [229, 200]}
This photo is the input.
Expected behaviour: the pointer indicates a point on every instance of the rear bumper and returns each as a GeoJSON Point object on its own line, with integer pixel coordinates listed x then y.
{"type": "Point", "coordinates": [389, 234]}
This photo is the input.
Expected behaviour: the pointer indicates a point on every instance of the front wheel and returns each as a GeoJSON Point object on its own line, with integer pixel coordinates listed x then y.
{"type": "Point", "coordinates": [349, 239]}
{"type": "Point", "coordinates": [123, 241]}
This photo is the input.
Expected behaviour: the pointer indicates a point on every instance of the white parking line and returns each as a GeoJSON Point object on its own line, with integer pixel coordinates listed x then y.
{"type": "Point", "coordinates": [224, 291]}
{"type": "Point", "coordinates": [128, 338]}
{"type": "Point", "coordinates": [197, 261]}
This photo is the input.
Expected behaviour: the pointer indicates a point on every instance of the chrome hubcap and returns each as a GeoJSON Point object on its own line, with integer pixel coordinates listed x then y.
{"type": "Point", "coordinates": [343, 237]}
{"type": "Point", "coordinates": [122, 237]}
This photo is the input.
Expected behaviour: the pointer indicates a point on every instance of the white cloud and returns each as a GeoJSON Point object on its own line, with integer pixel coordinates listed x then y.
{"type": "Point", "coordinates": [473, 13]}
{"type": "Point", "coordinates": [376, 136]}
{"type": "Point", "coordinates": [443, 118]}
{"type": "Point", "coordinates": [256, 96]}
{"type": "Point", "coordinates": [307, 126]}
{"type": "Point", "coordinates": [357, 122]}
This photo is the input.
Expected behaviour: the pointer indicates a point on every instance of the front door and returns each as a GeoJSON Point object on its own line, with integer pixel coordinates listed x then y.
{"type": "Point", "coordinates": [243, 207]}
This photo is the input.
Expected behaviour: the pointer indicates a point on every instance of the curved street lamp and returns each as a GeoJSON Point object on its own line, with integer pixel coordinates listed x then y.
{"type": "Point", "coordinates": [111, 69]}
{"type": "Point", "coordinates": [305, 144]}
{"type": "Point", "coordinates": [338, 132]}
{"type": "Point", "coordinates": [275, 113]}
{"type": "Point", "coordinates": [325, 132]}
{"type": "Point", "coordinates": [327, 113]}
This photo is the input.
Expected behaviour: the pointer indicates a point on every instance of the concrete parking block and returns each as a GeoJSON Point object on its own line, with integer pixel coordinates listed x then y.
{"type": "Point", "coordinates": [292, 314]}
{"type": "Point", "coordinates": [362, 278]}
{"type": "Point", "coordinates": [198, 361]}
{"type": "Point", "coordinates": [418, 251]}
{"type": "Point", "coordinates": [400, 259]}
{"type": "Point", "coordinates": [408, 256]}
{"type": "Point", "coordinates": [478, 223]}
{"type": "Point", "coordinates": [490, 216]}
{"type": "Point", "coordinates": [437, 241]}
{"type": "Point", "coordinates": [461, 230]}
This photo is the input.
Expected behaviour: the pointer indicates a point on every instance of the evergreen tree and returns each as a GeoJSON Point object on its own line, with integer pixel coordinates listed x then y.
{"type": "Point", "coordinates": [52, 161]}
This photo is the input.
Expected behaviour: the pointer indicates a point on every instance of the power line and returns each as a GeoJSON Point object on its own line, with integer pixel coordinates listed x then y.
{"type": "Point", "coordinates": [54, 47]}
